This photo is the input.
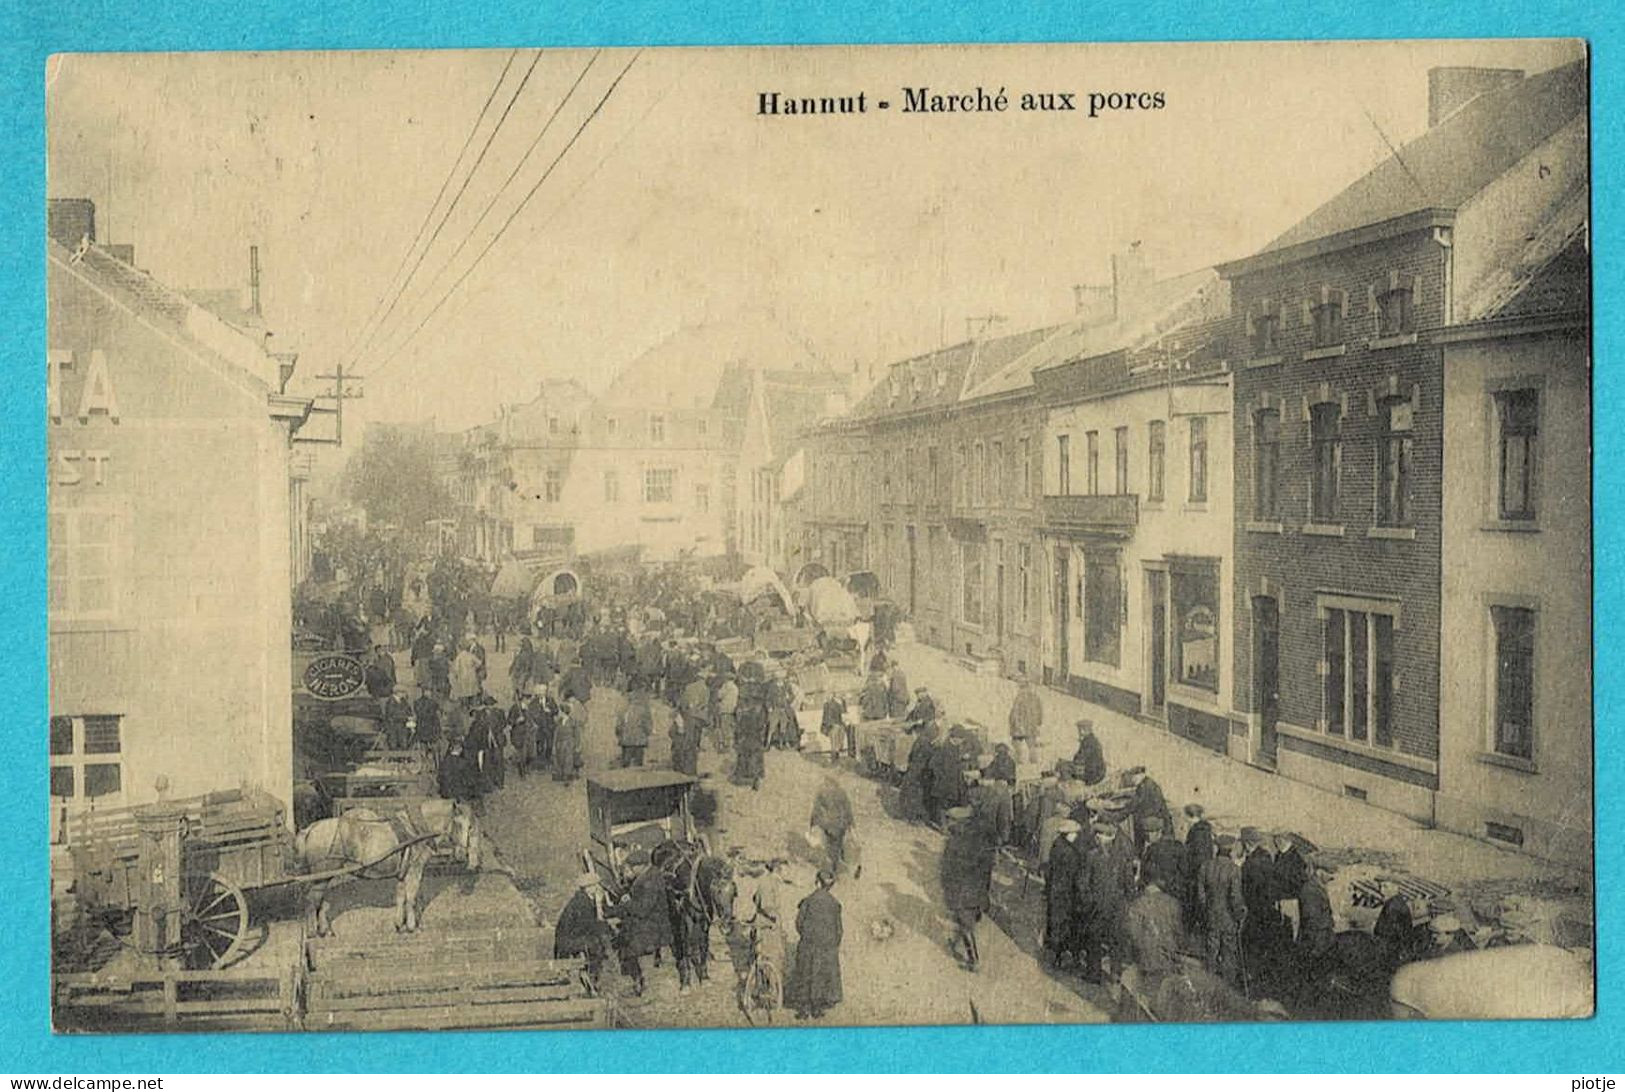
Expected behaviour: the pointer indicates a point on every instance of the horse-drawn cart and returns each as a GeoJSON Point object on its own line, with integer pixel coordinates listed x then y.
{"type": "Point", "coordinates": [635, 809]}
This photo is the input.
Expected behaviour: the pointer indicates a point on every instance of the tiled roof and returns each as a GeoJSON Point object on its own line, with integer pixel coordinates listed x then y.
{"type": "Point", "coordinates": [1456, 158]}
{"type": "Point", "coordinates": [922, 382]}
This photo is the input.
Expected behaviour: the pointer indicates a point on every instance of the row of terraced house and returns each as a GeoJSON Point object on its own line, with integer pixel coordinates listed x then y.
{"type": "Point", "coordinates": [1324, 508]}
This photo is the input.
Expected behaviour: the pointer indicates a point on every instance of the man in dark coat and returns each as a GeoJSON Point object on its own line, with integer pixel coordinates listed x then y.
{"type": "Point", "coordinates": [543, 713]}
{"type": "Point", "coordinates": [440, 672]}
{"type": "Point", "coordinates": [1089, 760]}
{"type": "Point", "coordinates": [1147, 803]}
{"type": "Point", "coordinates": [380, 673]}
{"type": "Point", "coordinates": [645, 920]}
{"type": "Point", "coordinates": [1265, 934]}
{"type": "Point", "coordinates": [1155, 937]}
{"type": "Point", "coordinates": [815, 983]}
{"type": "Point", "coordinates": [1163, 858]}
{"type": "Point", "coordinates": [897, 692]}
{"type": "Point", "coordinates": [522, 734]}
{"type": "Point", "coordinates": [914, 798]}
{"type": "Point", "coordinates": [1003, 767]}
{"type": "Point", "coordinates": [750, 737]}
{"type": "Point", "coordinates": [1198, 852]}
{"type": "Point", "coordinates": [395, 714]}
{"type": "Point", "coordinates": [967, 875]}
{"type": "Point", "coordinates": [1317, 932]}
{"type": "Point", "coordinates": [873, 701]}
{"type": "Point", "coordinates": [459, 777]}
{"type": "Point", "coordinates": [577, 684]}
{"type": "Point", "coordinates": [1061, 902]}
{"type": "Point", "coordinates": [1224, 907]}
{"type": "Point", "coordinates": [993, 805]}
{"type": "Point", "coordinates": [685, 730]}
{"type": "Point", "coordinates": [1102, 900]}
{"type": "Point", "coordinates": [924, 710]}
{"type": "Point", "coordinates": [582, 930]}
{"type": "Point", "coordinates": [832, 723]}
{"type": "Point", "coordinates": [634, 728]}
{"type": "Point", "coordinates": [947, 775]}
{"type": "Point", "coordinates": [832, 815]}
{"type": "Point", "coordinates": [426, 712]}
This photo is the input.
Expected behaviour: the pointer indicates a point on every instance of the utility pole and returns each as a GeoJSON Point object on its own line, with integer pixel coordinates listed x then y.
{"type": "Point", "coordinates": [342, 392]}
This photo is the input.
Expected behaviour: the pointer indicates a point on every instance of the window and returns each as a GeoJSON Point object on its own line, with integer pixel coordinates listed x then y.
{"type": "Point", "coordinates": [1266, 464]}
{"type": "Point", "coordinates": [978, 475]}
{"type": "Point", "coordinates": [1102, 607]}
{"type": "Point", "coordinates": [553, 426]}
{"type": "Point", "coordinates": [1514, 681]}
{"type": "Point", "coordinates": [702, 497]}
{"type": "Point", "coordinates": [933, 463]}
{"type": "Point", "coordinates": [1024, 560]}
{"type": "Point", "coordinates": [1195, 594]}
{"type": "Point", "coordinates": [1394, 464]}
{"type": "Point", "coordinates": [1327, 319]}
{"type": "Point", "coordinates": [1198, 459]}
{"type": "Point", "coordinates": [1156, 460]}
{"type": "Point", "coordinates": [1359, 675]}
{"type": "Point", "coordinates": [996, 480]}
{"type": "Point", "coordinates": [1091, 441]}
{"type": "Point", "coordinates": [1327, 459]}
{"type": "Point", "coordinates": [658, 485]}
{"type": "Point", "coordinates": [1024, 457]}
{"type": "Point", "coordinates": [612, 425]}
{"type": "Point", "coordinates": [1120, 453]}
{"type": "Point", "coordinates": [971, 574]}
{"type": "Point", "coordinates": [657, 428]}
{"type": "Point", "coordinates": [1063, 465]}
{"type": "Point", "coordinates": [961, 477]}
{"type": "Point", "coordinates": [1517, 415]}
{"type": "Point", "coordinates": [553, 486]}
{"type": "Point", "coordinates": [82, 563]}
{"type": "Point", "coordinates": [1265, 332]}
{"type": "Point", "coordinates": [702, 426]}
{"type": "Point", "coordinates": [86, 763]}
{"type": "Point", "coordinates": [1394, 312]}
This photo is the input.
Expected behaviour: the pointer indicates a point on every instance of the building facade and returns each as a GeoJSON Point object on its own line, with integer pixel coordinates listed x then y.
{"type": "Point", "coordinates": [172, 539]}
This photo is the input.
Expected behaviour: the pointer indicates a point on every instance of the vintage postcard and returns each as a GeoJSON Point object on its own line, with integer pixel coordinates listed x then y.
{"type": "Point", "coordinates": [820, 536]}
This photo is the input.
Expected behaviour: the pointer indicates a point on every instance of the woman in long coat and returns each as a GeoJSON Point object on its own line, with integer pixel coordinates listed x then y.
{"type": "Point", "coordinates": [567, 741]}
{"type": "Point", "coordinates": [914, 798]}
{"type": "Point", "coordinates": [750, 738]}
{"type": "Point", "coordinates": [815, 984]}
{"type": "Point", "coordinates": [523, 669]}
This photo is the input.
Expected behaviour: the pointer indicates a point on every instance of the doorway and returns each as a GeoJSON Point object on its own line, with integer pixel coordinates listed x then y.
{"type": "Point", "coordinates": [1266, 675]}
{"type": "Point", "coordinates": [1156, 682]}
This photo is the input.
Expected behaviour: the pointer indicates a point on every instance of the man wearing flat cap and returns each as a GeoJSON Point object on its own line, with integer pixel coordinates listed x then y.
{"type": "Point", "coordinates": [1198, 852]}
{"type": "Point", "coordinates": [1265, 934]}
{"type": "Point", "coordinates": [1147, 803]}
{"type": "Point", "coordinates": [1163, 858]}
{"type": "Point", "coordinates": [582, 930]}
{"type": "Point", "coordinates": [1103, 890]}
{"type": "Point", "coordinates": [1089, 760]}
{"type": "Point", "coordinates": [1218, 887]}
{"type": "Point", "coordinates": [967, 875]}
{"type": "Point", "coordinates": [1062, 903]}
{"type": "Point", "coordinates": [924, 710]}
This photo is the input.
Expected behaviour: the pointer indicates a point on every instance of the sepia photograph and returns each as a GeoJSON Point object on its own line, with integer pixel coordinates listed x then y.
{"type": "Point", "coordinates": [819, 536]}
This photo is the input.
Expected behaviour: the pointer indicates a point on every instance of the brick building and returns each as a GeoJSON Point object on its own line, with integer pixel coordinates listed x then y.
{"type": "Point", "coordinates": [1339, 429]}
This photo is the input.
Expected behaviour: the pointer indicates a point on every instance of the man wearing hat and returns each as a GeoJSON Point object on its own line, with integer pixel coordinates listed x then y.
{"type": "Point", "coordinates": [1153, 932]}
{"type": "Point", "coordinates": [1163, 858]}
{"type": "Point", "coordinates": [967, 874]}
{"type": "Point", "coordinates": [1147, 803]}
{"type": "Point", "coordinates": [582, 930]}
{"type": "Point", "coordinates": [1089, 760]}
{"type": "Point", "coordinates": [1102, 890]}
{"type": "Point", "coordinates": [395, 715]}
{"type": "Point", "coordinates": [1316, 929]}
{"type": "Point", "coordinates": [993, 805]}
{"type": "Point", "coordinates": [1198, 852]}
{"type": "Point", "coordinates": [1026, 721]}
{"type": "Point", "coordinates": [646, 922]}
{"type": "Point", "coordinates": [924, 710]}
{"type": "Point", "coordinates": [426, 720]}
{"type": "Point", "coordinates": [947, 773]}
{"type": "Point", "coordinates": [914, 795]}
{"type": "Point", "coordinates": [1218, 888]}
{"type": "Point", "coordinates": [815, 983]}
{"type": "Point", "coordinates": [1265, 934]}
{"type": "Point", "coordinates": [1062, 942]}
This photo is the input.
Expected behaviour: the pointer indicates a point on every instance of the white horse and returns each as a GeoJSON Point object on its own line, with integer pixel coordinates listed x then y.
{"type": "Point", "coordinates": [376, 846]}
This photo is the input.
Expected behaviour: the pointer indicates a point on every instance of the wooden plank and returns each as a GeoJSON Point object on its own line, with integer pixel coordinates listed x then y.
{"type": "Point", "coordinates": [558, 1013]}
{"type": "Point", "coordinates": [514, 951]}
{"type": "Point", "coordinates": [346, 979]}
{"type": "Point", "coordinates": [564, 991]}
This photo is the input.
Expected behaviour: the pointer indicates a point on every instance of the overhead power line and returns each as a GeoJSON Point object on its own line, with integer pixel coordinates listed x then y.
{"type": "Point", "coordinates": [495, 197]}
{"type": "Point", "coordinates": [490, 138]}
{"type": "Point", "coordinates": [512, 216]}
{"type": "Point", "coordinates": [366, 327]}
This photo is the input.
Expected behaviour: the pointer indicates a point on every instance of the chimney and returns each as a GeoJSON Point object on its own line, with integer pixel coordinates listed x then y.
{"type": "Point", "coordinates": [1449, 89]}
{"type": "Point", "coordinates": [70, 219]}
{"type": "Point", "coordinates": [254, 279]}
{"type": "Point", "coordinates": [1131, 276]}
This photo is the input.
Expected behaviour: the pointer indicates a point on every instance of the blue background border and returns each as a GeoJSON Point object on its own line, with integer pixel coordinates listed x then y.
{"type": "Point", "coordinates": [39, 29]}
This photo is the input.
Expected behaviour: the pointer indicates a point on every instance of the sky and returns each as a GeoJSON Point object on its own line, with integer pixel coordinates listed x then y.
{"type": "Point", "coordinates": [866, 238]}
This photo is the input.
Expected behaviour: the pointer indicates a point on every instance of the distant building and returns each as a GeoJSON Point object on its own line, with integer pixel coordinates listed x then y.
{"type": "Point", "coordinates": [173, 535]}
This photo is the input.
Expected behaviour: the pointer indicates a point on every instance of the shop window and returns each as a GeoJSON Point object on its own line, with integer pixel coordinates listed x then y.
{"type": "Point", "coordinates": [1394, 464]}
{"type": "Point", "coordinates": [1514, 734]}
{"type": "Point", "coordinates": [1102, 607]}
{"type": "Point", "coordinates": [1195, 595]}
{"type": "Point", "coordinates": [1156, 460]}
{"type": "Point", "coordinates": [86, 764]}
{"type": "Point", "coordinates": [1266, 464]}
{"type": "Point", "coordinates": [1325, 424]}
{"type": "Point", "coordinates": [1518, 432]}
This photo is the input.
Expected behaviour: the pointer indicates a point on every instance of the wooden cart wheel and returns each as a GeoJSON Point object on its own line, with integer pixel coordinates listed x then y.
{"type": "Point", "coordinates": [214, 925]}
